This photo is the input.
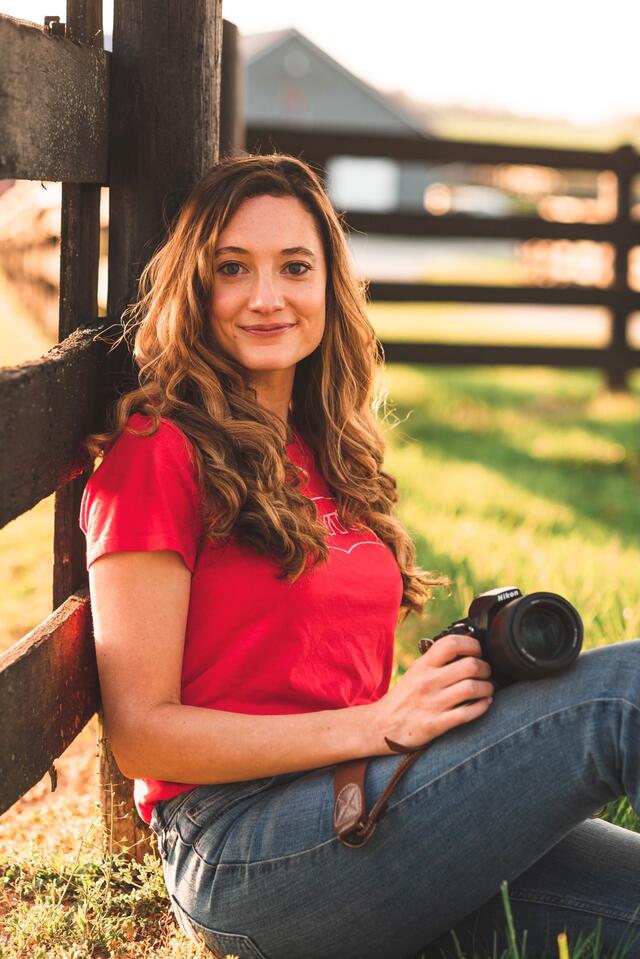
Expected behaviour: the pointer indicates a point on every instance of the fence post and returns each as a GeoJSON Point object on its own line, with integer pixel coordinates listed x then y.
{"type": "Point", "coordinates": [163, 133]}
{"type": "Point", "coordinates": [617, 360]}
{"type": "Point", "coordinates": [79, 257]}
{"type": "Point", "coordinates": [232, 129]}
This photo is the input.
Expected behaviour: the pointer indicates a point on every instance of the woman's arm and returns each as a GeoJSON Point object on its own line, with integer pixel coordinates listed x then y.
{"type": "Point", "coordinates": [140, 602]}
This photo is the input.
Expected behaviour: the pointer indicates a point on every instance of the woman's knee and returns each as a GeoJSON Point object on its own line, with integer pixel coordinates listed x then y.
{"type": "Point", "coordinates": [612, 669]}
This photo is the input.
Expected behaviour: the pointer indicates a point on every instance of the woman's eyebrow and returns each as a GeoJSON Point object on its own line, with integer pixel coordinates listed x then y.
{"type": "Point", "coordinates": [289, 251]}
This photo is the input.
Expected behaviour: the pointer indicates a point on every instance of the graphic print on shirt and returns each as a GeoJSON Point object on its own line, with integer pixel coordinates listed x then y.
{"type": "Point", "coordinates": [335, 528]}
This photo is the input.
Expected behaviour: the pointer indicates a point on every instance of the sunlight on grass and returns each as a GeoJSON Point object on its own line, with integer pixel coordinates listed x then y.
{"type": "Point", "coordinates": [495, 323]}
{"type": "Point", "coordinates": [524, 477]}
{"type": "Point", "coordinates": [26, 570]}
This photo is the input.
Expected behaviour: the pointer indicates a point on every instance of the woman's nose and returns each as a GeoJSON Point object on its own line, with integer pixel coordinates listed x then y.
{"type": "Point", "coordinates": [266, 296]}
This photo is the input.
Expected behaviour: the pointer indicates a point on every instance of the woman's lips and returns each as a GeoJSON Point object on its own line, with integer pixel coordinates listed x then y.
{"type": "Point", "coordinates": [263, 329]}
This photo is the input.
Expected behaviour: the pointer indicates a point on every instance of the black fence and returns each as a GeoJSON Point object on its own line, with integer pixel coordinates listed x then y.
{"type": "Point", "coordinates": [617, 358]}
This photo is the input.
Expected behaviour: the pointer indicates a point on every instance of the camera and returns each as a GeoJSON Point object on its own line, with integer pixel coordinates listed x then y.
{"type": "Point", "coordinates": [522, 636]}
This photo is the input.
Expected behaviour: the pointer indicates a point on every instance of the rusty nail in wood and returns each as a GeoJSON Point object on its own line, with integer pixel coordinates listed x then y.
{"type": "Point", "coordinates": [53, 26]}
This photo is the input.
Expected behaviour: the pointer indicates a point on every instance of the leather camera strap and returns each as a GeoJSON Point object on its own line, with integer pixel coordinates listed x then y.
{"type": "Point", "coordinates": [353, 826]}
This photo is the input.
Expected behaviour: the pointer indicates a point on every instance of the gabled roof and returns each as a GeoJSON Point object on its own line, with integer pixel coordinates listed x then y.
{"type": "Point", "coordinates": [254, 43]}
{"type": "Point", "coordinates": [256, 47]}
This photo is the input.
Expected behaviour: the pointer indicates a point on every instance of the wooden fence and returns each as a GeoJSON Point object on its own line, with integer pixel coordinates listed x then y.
{"type": "Point", "coordinates": [623, 233]}
{"type": "Point", "coordinates": [144, 121]}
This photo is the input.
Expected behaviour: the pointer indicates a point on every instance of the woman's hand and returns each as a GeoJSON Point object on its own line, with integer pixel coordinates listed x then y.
{"type": "Point", "coordinates": [427, 700]}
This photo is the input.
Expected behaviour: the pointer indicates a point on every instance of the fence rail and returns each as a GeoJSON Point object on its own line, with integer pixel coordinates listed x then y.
{"type": "Point", "coordinates": [45, 430]}
{"type": "Point", "coordinates": [49, 692]}
{"type": "Point", "coordinates": [62, 133]}
{"type": "Point", "coordinates": [143, 120]}
{"type": "Point", "coordinates": [622, 232]}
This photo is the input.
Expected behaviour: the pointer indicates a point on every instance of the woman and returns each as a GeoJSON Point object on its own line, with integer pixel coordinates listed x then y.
{"type": "Point", "coordinates": [247, 575]}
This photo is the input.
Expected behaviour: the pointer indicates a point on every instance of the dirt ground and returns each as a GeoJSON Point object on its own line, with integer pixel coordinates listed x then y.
{"type": "Point", "coordinates": [63, 820]}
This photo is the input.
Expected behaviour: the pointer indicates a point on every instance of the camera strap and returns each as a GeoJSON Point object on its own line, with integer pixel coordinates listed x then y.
{"type": "Point", "coordinates": [353, 825]}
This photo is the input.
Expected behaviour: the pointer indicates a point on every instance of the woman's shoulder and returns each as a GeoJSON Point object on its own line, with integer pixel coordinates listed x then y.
{"type": "Point", "coordinates": [140, 447]}
{"type": "Point", "coordinates": [143, 493]}
{"type": "Point", "coordinates": [139, 423]}
{"type": "Point", "coordinates": [168, 435]}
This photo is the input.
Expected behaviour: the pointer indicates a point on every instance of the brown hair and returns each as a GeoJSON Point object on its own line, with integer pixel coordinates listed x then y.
{"type": "Point", "coordinates": [250, 488]}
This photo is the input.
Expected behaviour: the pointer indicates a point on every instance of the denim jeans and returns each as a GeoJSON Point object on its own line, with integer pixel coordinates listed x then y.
{"type": "Point", "coordinates": [254, 870]}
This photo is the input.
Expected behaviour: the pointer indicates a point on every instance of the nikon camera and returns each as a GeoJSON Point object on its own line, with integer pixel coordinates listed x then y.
{"type": "Point", "coordinates": [522, 637]}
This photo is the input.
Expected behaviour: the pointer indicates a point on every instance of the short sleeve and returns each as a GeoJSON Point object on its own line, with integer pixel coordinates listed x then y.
{"type": "Point", "coordinates": [144, 495]}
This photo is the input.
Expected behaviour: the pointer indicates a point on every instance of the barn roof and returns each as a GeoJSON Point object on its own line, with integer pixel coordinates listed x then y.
{"type": "Point", "coordinates": [290, 81]}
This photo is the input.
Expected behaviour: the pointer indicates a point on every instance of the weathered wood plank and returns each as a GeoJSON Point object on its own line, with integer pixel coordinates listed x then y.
{"type": "Point", "coordinates": [164, 133]}
{"type": "Point", "coordinates": [48, 691]}
{"type": "Point", "coordinates": [165, 91]}
{"type": "Point", "coordinates": [232, 127]}
{"type": "Point", "coordinates": [47, 407]}
{"type": "Point", "coordinates": [474, 293]}
{"type": "Point", "coordinates": [60, 134]}
{"type": "Point", "coordinates": [79, 258]}
{"type": "Point", "coordinates": [472, 354]}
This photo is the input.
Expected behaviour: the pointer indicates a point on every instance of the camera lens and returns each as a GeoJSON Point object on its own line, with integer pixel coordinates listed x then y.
{"type": "Point", "coordinates": [545, 631]}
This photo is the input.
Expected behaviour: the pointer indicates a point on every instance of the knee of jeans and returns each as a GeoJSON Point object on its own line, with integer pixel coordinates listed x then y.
{"type": "Point", "coordinates": [611, 671]}
{"type": "Point", "coordinates": [618, 655]}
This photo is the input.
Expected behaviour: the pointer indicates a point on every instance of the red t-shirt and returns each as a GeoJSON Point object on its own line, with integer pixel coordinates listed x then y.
{"type": "Point", "coordinates": [254, 643]}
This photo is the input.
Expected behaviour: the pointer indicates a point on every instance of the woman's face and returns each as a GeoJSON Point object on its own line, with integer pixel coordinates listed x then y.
{"type": "Point", "coordinates": [268, 304]}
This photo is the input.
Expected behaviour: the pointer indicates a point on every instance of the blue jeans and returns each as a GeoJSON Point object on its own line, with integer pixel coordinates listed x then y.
{"type": "Point", "coordinates": [254, 869]}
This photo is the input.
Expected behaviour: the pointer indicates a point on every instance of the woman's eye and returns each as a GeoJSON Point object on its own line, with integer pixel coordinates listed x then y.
{"type": "Point", "coordinates": [294, 268]}
{"type": "Point", "coordinates": [230, 269]}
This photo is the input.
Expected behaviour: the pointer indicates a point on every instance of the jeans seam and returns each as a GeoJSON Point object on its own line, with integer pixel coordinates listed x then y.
{"type": "Point", "coordinates": [333, 839]}
{"type": "Point", "coordinates": [242, 936]}
{"type": "Point", "coordinates": [596, 909]}
{"type": "Point", "coordinates": [206, 804]}
{"type": "Point", "coordinates": [174, 812]}
{"type": "Point", "coordinates": [261, 862]}
{"type": "Point", "coordinates": [515, 732]}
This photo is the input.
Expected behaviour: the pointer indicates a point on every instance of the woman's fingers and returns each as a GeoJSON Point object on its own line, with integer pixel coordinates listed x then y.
{"type": "Point", "coordinates": [465, 691]}
{"type": "Point", "coordinates": [463, 714]}
{"type": "Point", "coordinates": [447, 686]}
{"type": "Point", "coordinates": [451, 647]}
{"type": "Point", "coordinates": [469, 667]}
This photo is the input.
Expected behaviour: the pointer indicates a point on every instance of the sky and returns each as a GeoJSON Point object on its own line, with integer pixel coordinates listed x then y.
{"type": "Point", "coordinates": [574, 59]}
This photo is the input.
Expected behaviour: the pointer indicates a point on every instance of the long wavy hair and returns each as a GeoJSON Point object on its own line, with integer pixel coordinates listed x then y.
{"type": "Point", "coordinates": [250, 489]}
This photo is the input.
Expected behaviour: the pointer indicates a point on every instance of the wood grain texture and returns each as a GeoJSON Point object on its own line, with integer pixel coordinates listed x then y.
{"type": "Point", "coordinates": [48, 691]}
{"type": "Point", "coordinates": [47, 407]}
{"type": "Point", "coordinates": [60, 134]}
{"type": "Point", "coordinates": [79, 258]}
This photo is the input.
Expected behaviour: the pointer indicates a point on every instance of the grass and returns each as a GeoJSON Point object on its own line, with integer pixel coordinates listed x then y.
{"type": "Point", "coordinates": [93, 906]}
{"type": "Point", "coordinates": [26, 544]}
{"type": "Point", "coordinates": [525, 477]}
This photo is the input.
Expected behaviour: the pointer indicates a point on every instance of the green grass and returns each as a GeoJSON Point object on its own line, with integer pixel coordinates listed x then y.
{"type": "Point", "coordinates": [470, 323]}
{"type": "Point", "coordinates": [94, 906]}
{"type": "Point", "coordinates": [525, 477]}
{"type": "Point", "coordinates": [512, 476]}
{"type": "Point", "coordinates": [457, 123]}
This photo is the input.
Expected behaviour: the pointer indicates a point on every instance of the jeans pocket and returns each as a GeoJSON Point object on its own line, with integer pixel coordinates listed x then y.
{"type": "Point", "coordinates": [218, 799]}
{"type": "Point", "coordinates": [220, 944]}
